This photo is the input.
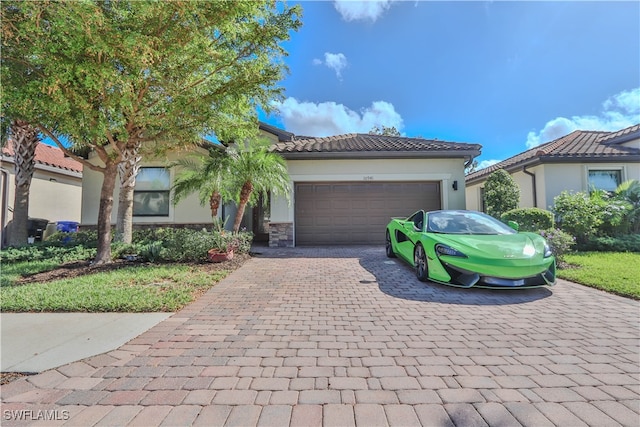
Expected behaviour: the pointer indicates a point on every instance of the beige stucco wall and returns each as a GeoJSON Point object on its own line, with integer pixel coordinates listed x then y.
{"type": "Point", "coordinates": [553, 179]}
{"type": "Point", "coordinates": [188, 211]}
{"type": "Point", "coordinates": [446, 171]}
{"type": "Point", "coordinates": [55, 194]}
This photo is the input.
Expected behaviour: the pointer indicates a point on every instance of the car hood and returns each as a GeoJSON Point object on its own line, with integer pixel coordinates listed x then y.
{"type": "Point", "coordinates": [505, 246]}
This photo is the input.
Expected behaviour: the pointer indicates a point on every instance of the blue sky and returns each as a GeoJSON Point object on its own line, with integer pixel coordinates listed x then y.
{"type": "Point", "coordinates": [507, 75]}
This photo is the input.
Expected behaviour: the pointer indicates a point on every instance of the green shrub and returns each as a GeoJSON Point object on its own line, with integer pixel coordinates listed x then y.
{"type": "Point", "coordinates": [629, 243]}
{"type": "Point", "coordinates": [529, 219]}
{"type": "Point", "coordinates": [501, 193]}
{"type": "Point", "coordinates": [577, 214]}
{"type": "Point", "coordinates": [559, 242]}
{"type": "Point", "coordinates": [42, 251]}
{"type": "Point", "coordinates": [87, 238]}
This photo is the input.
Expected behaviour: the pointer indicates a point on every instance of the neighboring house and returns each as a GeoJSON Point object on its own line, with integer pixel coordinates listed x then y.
{"type": "Point", "coordinates": [56, 188]}
{"type": "Point", "coordinates": [576, 162]}
{"type": "Point", "coordinates": [344, 188]}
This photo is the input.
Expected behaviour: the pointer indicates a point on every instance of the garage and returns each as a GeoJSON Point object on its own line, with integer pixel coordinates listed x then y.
{"type": "Point", "coordinates": [356, 213]}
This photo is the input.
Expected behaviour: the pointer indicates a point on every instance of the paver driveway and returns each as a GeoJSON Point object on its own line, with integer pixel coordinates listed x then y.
{"type": "Point", "coordinates": [344, 336]}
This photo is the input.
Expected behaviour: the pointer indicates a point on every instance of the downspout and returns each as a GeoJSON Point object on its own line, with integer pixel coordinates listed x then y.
{"type": "Point", "coordinates": [534, 189]}
{"type": "Point", "coordinates": [4, 209]}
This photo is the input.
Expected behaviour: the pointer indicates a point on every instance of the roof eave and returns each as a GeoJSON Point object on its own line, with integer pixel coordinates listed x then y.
{"type": "Point", "coordinates": [325, 155]}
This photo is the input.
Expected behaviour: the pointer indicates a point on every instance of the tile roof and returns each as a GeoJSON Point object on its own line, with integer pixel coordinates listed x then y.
{"type": "Point", "coordinates": [367, 145]}
{"type": "Point", "coordinates": [49, 156]}
{"type": "Point", "coordinates": [579, 145]}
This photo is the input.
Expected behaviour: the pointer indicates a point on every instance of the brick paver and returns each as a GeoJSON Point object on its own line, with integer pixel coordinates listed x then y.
{"type": "Point", "coordinates": [345, 336]}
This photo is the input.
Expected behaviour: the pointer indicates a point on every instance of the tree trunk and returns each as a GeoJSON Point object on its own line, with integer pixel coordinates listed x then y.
{"type": "Point", "coordinates": [25, 140]}
{"type": "Point", "coordinates": [214, 204]}
{"type": "Point", "coordinates": [245, 194]}
{"type": "Point", "coordinates": [128, 169]}
{"type": "Point", "coordinates": [109, 178]}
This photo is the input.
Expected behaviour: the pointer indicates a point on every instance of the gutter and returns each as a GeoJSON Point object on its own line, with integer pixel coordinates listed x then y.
{"type": "Point", "coordinates": [534, 188]}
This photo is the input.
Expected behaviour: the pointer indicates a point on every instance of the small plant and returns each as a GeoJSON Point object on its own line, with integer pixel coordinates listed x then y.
{"type": "Point", "coordinates": [225, 241]}
{"type": "Point", "coordinates": [577, 214]}
{"type": "Point", "coordinates": [151, 252]}
{"type": "Point", "coordinates": [559, 241]}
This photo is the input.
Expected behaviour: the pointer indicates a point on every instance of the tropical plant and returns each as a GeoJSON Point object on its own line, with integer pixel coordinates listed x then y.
{"type": "Point", "coordinates": [238, 173]}
{"type": "Point", "coordinates": [253, 171]}
{"type": "Point", "coordinates": [630, 192]}
{"type": "Point", "coordinates": [203, 175]}
{"type": "Point", "coordinates": [501, 193]}
{"type": "Point", "coordinates": [107, 75]}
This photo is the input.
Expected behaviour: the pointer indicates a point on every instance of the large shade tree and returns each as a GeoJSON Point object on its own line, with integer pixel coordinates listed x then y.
{"type": "Point", "coordinates": [239, 173]}
{"type": "Point", "coordinates": [124, 76]}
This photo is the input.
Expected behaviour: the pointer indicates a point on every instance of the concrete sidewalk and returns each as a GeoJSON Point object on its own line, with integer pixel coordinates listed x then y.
{"type": "Point", "coordinates": [35, 342]}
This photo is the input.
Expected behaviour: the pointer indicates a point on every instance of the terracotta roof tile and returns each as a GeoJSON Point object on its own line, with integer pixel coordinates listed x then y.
{"type": "Point", "coordinates": [49, 156]}
{"type": "Point", "coordinates": [367, 143]}
{"type": "Point", "coordinates": [579, 145]}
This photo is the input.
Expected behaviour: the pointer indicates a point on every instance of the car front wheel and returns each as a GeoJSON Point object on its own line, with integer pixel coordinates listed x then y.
{"type": "Point", "coordinates": [389, 246]}
{"type": "Point", "coordinates": [420, 261]}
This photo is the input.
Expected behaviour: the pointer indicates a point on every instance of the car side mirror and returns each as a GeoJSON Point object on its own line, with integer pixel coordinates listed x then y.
{"type": "Point", "coordinates": [514, 225]}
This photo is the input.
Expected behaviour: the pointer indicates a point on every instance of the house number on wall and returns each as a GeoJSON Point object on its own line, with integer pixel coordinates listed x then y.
{"type": "Point", "coordinates": [367, 178]}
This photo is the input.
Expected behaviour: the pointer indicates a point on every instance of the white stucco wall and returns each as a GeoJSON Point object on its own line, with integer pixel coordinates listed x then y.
{"type": "Point", "coordinates": [446, 171]}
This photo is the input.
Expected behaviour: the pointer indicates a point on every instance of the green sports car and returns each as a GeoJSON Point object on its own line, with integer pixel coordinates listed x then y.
{"type": "Point", "coordinates": [468, 248]}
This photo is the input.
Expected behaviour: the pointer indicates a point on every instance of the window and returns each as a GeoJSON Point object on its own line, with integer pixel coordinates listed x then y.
{"type": "Point", "coordinates": [151, 195]}
{"type": "Point", "coordinates": [607, 180]}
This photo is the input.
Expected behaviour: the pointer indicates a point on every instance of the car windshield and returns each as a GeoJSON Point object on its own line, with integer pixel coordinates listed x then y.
{"type": "Point", "coordinates": [465, 222]}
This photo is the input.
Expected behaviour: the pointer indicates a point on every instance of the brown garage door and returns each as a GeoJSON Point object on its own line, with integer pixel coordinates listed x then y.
{"type": "Point", "coordinates": [356, 212]}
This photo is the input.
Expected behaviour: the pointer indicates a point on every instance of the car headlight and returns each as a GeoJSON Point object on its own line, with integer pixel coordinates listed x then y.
{"type": "Point", "coordinates": [447, 250]}
{"type": "Point", "coordinates": [547, 250]}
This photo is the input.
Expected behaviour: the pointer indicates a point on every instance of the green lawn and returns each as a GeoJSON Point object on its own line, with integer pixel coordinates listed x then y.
{"type": "Point", "coordinates": [144, 288]}
{"type": "Point", "coordinates": [616, 272]}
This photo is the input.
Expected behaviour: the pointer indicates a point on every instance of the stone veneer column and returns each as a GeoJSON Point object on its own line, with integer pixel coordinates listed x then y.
{"type": "Point", "coordinates": [281, 235]}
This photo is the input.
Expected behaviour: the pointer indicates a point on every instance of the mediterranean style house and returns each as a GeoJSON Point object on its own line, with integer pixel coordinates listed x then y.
{"type": "Point", "coordinates": [56, 187]}
{"type": "Point", "coordinates": [579, 161]}
{"type": "Point", "coordinates": [344, 189]}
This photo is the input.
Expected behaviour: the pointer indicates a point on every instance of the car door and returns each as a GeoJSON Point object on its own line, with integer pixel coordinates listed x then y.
{"type": "Point", "coordinates": [409, 234]}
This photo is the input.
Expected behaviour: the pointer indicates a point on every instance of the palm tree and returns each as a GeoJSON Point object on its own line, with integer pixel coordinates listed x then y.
{"type": "Point", "coordinates": [254, 171]}
{"type": "Point", "coordinates": [24, 139]}
{"type": "Point", "coordinates": [202, 174]}
{"type": "Point", "coordinates": [239, 173]}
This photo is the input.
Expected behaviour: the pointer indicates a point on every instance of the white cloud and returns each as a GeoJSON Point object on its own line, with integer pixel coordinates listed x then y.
{"type": "Point", "coordinates": [618, 112]}
{"type": "Point", "coordinates": [352, 10]}
{"type": "Point", "coordinates": [486, 163]}
{"type": "Point", "coordinates": [330, 118]}
{"type": "Point", "coordinates": [335, 61]}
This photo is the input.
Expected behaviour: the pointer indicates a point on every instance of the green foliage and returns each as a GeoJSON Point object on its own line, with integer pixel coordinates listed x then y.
{"type": "Point", "coordinates": [529, 219]}
{"type": "Point", "coordinates": [501, 193]}
{"type": "Point", "coordinates": [628, 243]}
{"type": "Point", "coordinates": [577, 214]}
{"type": "Point", "coordinates": [41, 252]}
{"type": "Point", "coordinates": [384, 130]}
{"type": "Point", "coordinates": [559, 242]}
{"type": "Point", "coordinates": [107, 75]}
{"type": "Point", "coordinates": [151, 251]}
{"type": "Point", "coordinates": [629, 191]}
{"type": "Point", "coordinates": [616, 272]}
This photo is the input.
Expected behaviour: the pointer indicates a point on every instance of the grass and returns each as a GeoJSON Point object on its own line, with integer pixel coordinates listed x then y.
{"type": "Point", "coordinates": [615, 272]}
{"type": "Point", "coordinates": [131, 289]}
